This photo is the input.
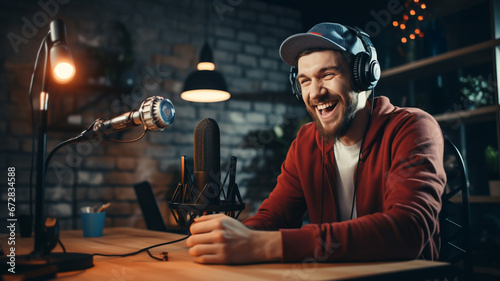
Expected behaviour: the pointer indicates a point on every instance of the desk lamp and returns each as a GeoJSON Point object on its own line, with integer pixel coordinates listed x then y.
{"type": "Point", "coordinates": [58, 67]}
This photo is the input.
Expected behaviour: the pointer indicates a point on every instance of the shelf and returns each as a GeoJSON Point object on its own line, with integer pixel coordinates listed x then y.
{"type": "Point", "coordinates": [487, 270]}
{"type": "Point", "coordinates": [477, 199]}
{"type": "Point", "coordinates": [474, 54]}
{"type": "Point", "coordinates": [487, 113]}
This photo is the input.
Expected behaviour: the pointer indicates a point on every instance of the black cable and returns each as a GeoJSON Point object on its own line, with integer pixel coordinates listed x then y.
{"type": "Point", "coordinates": [60, 145]}
{"type": "Point", "coordinates": [357, 165]}
{"type": "Point", "coordinates": [207, 21]}
{"type": "Point", "coordinates": [142, 250]}
{"type": "Point", "coordinates": [82, 136]}
{"type": "Point", "coordinates": [165, 257]}
{"type": "Point", "coordinates": [360, 152]}
{"type": "Point", "coordinates": [322, 177]}
{"type": "Point", "coordinates": [61, 244]}
{"type": "Point", "coordinates": [153, 257]}
{"type": "Point", "coordinates": [130, 141]}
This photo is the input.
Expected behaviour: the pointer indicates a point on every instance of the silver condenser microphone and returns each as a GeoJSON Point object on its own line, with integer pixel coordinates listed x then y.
{"type": "Point", "coordinates": [155, 113]}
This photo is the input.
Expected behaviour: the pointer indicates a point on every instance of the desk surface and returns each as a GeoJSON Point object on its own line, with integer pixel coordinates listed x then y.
{"type": "Point", "coordinates": [180, 265]}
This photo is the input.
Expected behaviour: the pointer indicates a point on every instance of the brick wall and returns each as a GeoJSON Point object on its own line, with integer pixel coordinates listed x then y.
{"type": "Point", "coordinates": [126, 51]}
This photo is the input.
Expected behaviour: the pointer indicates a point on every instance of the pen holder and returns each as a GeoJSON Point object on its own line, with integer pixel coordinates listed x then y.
{"type": "Point", "coordinates": [93, 224]}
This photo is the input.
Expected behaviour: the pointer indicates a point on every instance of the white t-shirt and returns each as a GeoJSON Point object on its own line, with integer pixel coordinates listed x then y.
{"type": "Point", "coordinates": [347, 159]}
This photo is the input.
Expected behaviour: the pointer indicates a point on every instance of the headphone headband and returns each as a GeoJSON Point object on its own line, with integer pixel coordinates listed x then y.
{"type": "Point", "coordinates": [365, 66]}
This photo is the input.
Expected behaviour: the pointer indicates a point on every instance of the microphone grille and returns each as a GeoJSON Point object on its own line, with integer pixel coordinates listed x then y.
{"type": "Point", "coordinates": [157, 113]}
{"type": "Point", "coordinates": [207, 146]}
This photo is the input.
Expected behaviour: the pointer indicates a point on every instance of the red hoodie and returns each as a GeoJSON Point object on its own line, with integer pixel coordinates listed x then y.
{"type": "Point", "coordinates": [398, 196]}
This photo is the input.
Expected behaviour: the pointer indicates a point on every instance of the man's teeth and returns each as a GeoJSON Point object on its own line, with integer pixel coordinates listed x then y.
{"type": "Point", "coordinates": [325, 105]}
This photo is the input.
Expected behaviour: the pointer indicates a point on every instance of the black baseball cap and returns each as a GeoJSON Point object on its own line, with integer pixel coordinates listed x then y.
{"type": "Point", "coordinates": [323, 35]}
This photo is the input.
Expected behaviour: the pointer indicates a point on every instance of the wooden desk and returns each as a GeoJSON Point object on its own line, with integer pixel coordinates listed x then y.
{"type": "Point", "coordinates": [180, 265]}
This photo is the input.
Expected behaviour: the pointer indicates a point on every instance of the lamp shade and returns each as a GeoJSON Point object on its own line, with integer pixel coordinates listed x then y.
{"type": "Point", "coordinates": [61, 61]}
{"type": "Point", "coordinates": [62, 64]}
{"type": "Point", "coordinates": [205, 86]}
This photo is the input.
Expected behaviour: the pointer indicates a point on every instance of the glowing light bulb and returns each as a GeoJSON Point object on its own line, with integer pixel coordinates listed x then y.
{"type": "Point", "coordinates": [412, 36]}
{"type": "Point", "coordinates": [205, 95]}
{"type": "Point", "coordinates": [423, 6]}
{"type": "Point", "coordinates": [206, 66]}
{"type": "Point", "coordinates": [395, 23]}
{"type": "Point", "coordinates": [64, 72]}
{"type": "Point", "coordinates": [404, 40]}
{"type": "Point", "coordinates": [412, 12]}
{"type": "Point", "coordinates": [403, 26]}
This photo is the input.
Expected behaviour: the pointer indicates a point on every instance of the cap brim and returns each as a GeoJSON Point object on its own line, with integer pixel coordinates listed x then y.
{"type": "Point", "coordinates": [295, 44]}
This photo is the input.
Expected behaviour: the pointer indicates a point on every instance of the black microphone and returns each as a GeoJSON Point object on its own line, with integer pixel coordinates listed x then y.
{"type": "Point", "coordinates": [155, 113]}
{"type": "Point", "coordinates": [205, 192]}
{"type": "Point", "coordinates": [207, 160]}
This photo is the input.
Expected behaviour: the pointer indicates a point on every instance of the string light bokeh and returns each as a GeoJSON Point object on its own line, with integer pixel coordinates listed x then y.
{"type": "Point", "coordinates": [411, 19]}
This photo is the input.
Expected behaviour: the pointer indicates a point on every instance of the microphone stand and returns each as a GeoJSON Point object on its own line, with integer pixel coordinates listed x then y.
{"type": "Point", "coordinates": [188, 202]}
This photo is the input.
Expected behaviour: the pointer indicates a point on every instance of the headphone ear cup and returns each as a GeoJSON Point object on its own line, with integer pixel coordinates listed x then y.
{"type": "Point", "coordinates": [358, 71]}
{"type": "Point", "coordinates": [296, 90]}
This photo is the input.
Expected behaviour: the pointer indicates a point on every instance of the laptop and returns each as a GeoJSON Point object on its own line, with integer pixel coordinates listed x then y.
{"type": "Point", "coordinates": [149, 206]}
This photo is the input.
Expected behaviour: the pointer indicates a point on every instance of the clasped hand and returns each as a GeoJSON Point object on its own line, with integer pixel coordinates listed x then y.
{"type": "Point", "coordinates": [222, 239]}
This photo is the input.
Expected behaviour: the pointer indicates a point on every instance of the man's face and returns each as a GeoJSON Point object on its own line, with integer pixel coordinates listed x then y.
{"type": "Point", "coordinates": [325, 80]}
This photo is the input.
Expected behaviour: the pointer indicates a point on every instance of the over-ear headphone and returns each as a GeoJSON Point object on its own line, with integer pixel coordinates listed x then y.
{"type": "Point", "coordinates": [365, 66]}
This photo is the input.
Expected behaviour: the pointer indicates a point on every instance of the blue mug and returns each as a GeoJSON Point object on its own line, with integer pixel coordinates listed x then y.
{"type": "Point", "coordinates": [93, 224]}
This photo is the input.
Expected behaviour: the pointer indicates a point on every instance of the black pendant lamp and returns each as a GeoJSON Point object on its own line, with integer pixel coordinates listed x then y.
{"type": "Point", "coordinates": [205, 84]}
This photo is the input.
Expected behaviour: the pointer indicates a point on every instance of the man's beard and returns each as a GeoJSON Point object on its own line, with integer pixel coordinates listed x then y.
{"type": "Point", "coordinates": [347, 117]}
